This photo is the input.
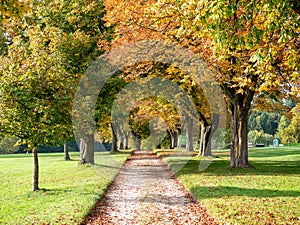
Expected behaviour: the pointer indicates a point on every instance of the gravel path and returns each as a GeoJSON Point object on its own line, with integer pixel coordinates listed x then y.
{"type": "Point", "coordinates": [146, 191]}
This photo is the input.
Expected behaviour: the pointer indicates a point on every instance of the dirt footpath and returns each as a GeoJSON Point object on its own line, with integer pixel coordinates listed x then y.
{"type": "Point", "coordinates": [146, 191]}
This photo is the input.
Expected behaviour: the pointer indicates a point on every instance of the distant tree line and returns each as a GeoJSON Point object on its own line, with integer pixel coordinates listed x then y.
{"type": "Point", "coordinates": [264, 127]}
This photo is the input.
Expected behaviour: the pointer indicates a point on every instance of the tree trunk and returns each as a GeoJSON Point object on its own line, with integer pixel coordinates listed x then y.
{"type": "Point", "coordinates": [239, 139]}
{"type": "Point", "coordinates": [120, 139]}
{"type": "Point", "coordinates": [202, 131]}
{"type": "Point", "coordinates": [137, 143]}
{"type": "Point", "coordinates": [114, 146]}
{"type": "Point", "coordinates": [173, 139]}
{"type": "Point", "coordinates": [126, 137]}
{"type": "Point", "coordinates": [82, 149]}
{"type": "Point", "coordinates": [205, 146]}
{"type": "Point", "coordinates": [239, 106]}
{"type": "Point", "coordinates": [207, 132]}
{"type": "Point", "coordinates": [189, 133]}
{"type": "Point", "coordinates": [66, 151]}
{"type": "Point", "coordinates": [90, 149]}
{"type": "Point", "coordinates": [121, 146]}
{"type": "Point", "coordinates": [87, 149]}
{"type": "Point", "coordinates": [35, 177]}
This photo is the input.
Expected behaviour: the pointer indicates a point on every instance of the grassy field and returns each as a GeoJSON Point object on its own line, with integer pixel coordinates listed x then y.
{"type": "Point", "coordinates": [68, 192]}
{"type": "Point", "coordinates": [268, 193]}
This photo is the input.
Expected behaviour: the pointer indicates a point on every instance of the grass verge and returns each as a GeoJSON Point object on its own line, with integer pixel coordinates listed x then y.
{"type": "Point", "coordinates": [268, 193]}
{"type": "Point", "coordinates": [68, 190]}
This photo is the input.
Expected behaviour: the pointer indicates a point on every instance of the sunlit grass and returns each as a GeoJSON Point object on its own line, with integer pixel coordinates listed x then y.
{"type": "Point", "coordinates": [267, 193]}
{"type": "Point", "coordinates": [68, 190]}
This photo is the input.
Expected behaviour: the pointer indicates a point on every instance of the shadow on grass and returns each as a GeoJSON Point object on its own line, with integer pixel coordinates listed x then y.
{"type": "Point", "coordinates": [221, 167]}
{"type": "Point", "coordinates": [129, 151]}
{"type": "Point", "coordinates": [224, 191]}
{"type": "Point", "coordinates": [54, 191]}
{"type": "Point", "coordinates": [62, 191]}
{"type": "Point", "coordinates": [98, 165]}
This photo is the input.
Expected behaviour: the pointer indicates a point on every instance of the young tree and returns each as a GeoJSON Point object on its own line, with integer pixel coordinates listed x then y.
{"type": "Point", "coordinates": [49, 51]}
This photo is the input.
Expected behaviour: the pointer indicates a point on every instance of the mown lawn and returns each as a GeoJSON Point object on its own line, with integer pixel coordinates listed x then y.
{"type": "Point", "coordinates": [267, 193]}
{"type": "Point", "coordinates": [68, 190]}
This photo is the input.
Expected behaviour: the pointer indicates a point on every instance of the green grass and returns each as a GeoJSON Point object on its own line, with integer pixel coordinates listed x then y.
{"type": "Point", "coordinates": [68, 190]}
{"type": "Point", "coordinates": [267, 193]}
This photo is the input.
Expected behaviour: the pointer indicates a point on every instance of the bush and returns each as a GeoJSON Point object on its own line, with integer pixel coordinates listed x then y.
{"type": "Point", "coordinates": [259, 137]}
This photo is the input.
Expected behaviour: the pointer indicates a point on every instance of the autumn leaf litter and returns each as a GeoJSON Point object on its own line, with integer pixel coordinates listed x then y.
{"type": "Point", "coordinates": [146, 191]}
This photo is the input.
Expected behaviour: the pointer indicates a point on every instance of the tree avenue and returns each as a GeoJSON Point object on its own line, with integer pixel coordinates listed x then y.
{"type": "Point", "coordinates": [251, 47]}
{"type": "Point", "coordinates": [192, 88]}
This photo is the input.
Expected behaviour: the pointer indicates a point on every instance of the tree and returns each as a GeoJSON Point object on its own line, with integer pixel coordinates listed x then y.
{"type": "Point", "coordinates": [158, 116]}
{"type": "Point", "coordinates": [139, 127]}
{"type": "Point", "coordinates": [12, 9]}
{"type": "Point", "coordinates": [50, 49]}
{"type": "Point", "coordinates": [103, 112]}
{"type": "Point", "coordinates": [289, 131]}
{"type": "Point", "coordinates": [193, 89]}
{"type": "Point", "coordinates": [34, 97]}
{"type": "Point", "coordinates": [84, 27]}
{"type": "Point", "coordinates": [66, 151]}
{"type": "Point", "coordinates": [295, 124]}
{"type": "Point", "coordinates": [282, 129]}
{"type": "Point", "coordinates": [265, 121]}
{"type": "Point", "coordinates": [255, 137]}
{"type": "Point", "coordinates": [259, 137]}
{"type": "Point", "coordinates": [250, 47]}
{"type": "Point", "coordinates": [137, 26]}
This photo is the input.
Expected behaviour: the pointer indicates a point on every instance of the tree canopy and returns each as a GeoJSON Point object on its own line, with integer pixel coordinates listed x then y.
{"type": "Point", "coordinates": [50, 48]}
{"type": "Point", "coordinates": [250, 47]}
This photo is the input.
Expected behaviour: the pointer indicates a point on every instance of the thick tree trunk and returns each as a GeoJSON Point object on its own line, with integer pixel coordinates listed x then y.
{"type": "Point", "coordinates": [87, 149]}
{"type": "Point", "coordinates": [90, 150]}
{"type": "Point", "coordinates": [120, 139]}
{"type": "Point", "coordinates": [35, 177]}
{"type": "Point", "coordinates": [239, 139]}
{"type": "Point", "coordinates": [82, 149]}
{"type": "Point", "coordinates": [189, 133]}
{"type": "Point", "coordinates": [207, 132]}
{"type": "Point", "coordinates": [66, 151]}
{"type": "Point", "coordinates": [114, 146]}
{"type": "Point", "coordinates": [137, 143]}
{"type": "Point", "coordinates": [239, 106]}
